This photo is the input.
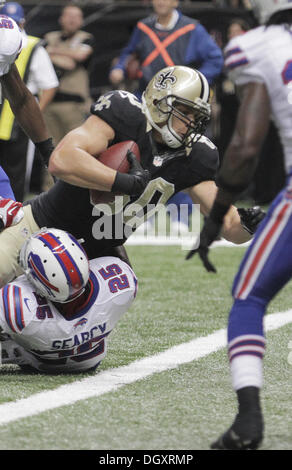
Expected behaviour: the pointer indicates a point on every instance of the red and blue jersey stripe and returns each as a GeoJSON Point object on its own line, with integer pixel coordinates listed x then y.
{"type": "Point", "coordinates": [235, 57]}
{"type": "Point", "coordinates": [13, 307]}
{"type": "Point", "coordinates": [234, 50]}
{"type": "Point", "coordinates": [260, 258]}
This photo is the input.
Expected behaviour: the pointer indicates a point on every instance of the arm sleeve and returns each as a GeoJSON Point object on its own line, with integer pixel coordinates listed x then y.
{"type": "Point", "coordinates": [202, 165]}
{"type": "Point", "coordinates": [5, 65]}
{"type": "Point", "coordinates": [16, 316]}
{"type": "Point", "coordinates": [122, 111]}
{"type": "Point", "coordinates": [5, 188]}
{"type": "Point", "coordinates": [204, 161]}
{"type": "Point", "coordinates": [239, 65]}
{"type": "Point", "coordinates": [129, 49]}
{"type": "Point", "coordinates": [10, 44]}
{"type": "Point", "coordinates": [43, 71]}
{"type": "Point", "coordinates": [203, 49]}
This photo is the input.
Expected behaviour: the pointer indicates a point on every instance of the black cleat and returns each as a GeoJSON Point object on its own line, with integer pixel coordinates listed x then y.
{"type": "Point", "coordinates": [246, 433]}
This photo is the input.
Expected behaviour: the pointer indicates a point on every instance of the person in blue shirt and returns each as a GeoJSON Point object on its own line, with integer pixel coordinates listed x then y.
{"type": "Point", "coordinates": [5, 187]}
{"type": "Point", "coordinates": [166, 38]}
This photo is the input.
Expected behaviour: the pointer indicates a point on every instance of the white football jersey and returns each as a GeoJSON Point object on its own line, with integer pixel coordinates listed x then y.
{"type": "Point", "coordinates": [264, 55]}
{"type": "Point", "coordinates": [10, 43]}
{"type": "Point", "coordinates": [52, 342]}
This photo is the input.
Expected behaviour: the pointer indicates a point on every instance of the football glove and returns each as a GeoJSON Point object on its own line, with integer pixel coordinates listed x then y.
{"type": "Point", "coordinates": [11, 212]}
{"type": "Point", "coordinates": [251, 218]}
{"type": "Point", "coordinates": [45, 147]}
{"type": "Point", "coordinates": [135, 181]}
{"type": "Point", "coordinates": [142, 177]}
{"type": "Point", "coordinates": [208, 234]}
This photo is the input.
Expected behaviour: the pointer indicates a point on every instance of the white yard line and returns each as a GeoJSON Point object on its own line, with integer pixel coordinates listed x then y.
{"type": "Point", "coordinates": [112, 379]}
{"type": "Point", "coordinates": [185, 241]}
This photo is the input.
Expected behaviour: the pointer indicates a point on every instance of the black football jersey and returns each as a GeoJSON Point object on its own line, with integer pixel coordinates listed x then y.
{"type": "Point", "coordinates": [69, 208]}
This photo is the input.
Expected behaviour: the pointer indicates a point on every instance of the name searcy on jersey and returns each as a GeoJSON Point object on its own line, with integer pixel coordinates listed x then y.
{"type": "Point", "coordinates": [80, 338]}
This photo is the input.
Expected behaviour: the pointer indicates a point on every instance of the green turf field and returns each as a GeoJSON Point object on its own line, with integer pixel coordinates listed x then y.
{"type": "Point", "coordinates": [182, 408]}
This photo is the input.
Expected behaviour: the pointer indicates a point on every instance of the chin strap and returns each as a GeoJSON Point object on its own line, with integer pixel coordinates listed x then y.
{"type": "Point", "coordinates": [168, 138]}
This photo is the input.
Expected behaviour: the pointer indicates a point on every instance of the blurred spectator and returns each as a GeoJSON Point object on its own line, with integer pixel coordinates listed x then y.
{"type": "Point", "coordinates": [36, 69]}
{"type": "Point", "coordinates": [167, 38]}
{"type": "Point", "coordinates": [70, 50]}
{"type": "Point", "coordinates": [237, 27]}
{"type": "Point", "coordinates": [163, 39]}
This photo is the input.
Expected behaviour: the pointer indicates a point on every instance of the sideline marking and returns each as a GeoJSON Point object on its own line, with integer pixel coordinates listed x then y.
{"type": "Point", "coordinates": [185, 241]}
{"type": "Point", "coordinates": [113, 379]}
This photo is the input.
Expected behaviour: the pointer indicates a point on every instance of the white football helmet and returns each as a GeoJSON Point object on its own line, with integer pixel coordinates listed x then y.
{"type": "Point", "coordinates": [264, 9]}
{"type": "Point", "coordinates": [56, 264]}
{"type": "Point", "coordinates": [172, 86]}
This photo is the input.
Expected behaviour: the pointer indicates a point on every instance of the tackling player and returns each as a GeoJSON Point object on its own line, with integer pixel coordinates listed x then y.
{"type": "Point", "coordinates": [57, 316]}
{"type": "Point", "coordinates": [22, 102]}
{"type": "Point", "coordinates": [168, 128]}
{"type": "Point", "coordinates": [260, 63]}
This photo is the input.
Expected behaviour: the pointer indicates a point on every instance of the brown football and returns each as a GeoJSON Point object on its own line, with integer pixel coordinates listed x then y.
{"type": "Point", "coordinates": [114, 157]}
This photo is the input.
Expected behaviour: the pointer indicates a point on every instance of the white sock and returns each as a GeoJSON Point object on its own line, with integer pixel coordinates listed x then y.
{"type": "Point", "coordinates": [246, 371]}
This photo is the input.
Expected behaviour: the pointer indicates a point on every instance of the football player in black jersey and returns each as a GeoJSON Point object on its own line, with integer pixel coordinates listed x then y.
{"type": "Point", "coordinates": [168, 127]}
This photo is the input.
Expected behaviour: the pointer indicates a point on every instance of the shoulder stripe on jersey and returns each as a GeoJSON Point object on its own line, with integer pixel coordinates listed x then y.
{"type": "Point", "coordinates": [234, 50]}
{"type": "Point", "coordinates": [5, 297]}
{"type": "Point", "coordinates": [237, 63]}
{"type": "Point", "coordinates": [18, 308]}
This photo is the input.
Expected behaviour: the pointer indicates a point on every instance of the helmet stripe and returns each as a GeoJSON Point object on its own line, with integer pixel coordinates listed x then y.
{"type": "Point", "coordinates": [205, 93]}
{"type": "Point", "coordinates": [40, 276]}
{"type": "Point", "coordinates": [75, 275]}
{"type": "Point", "coordinates": [65, 260]}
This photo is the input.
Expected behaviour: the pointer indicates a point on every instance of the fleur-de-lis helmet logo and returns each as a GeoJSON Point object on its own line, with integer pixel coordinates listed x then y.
{"type": "Point", "coordinates": [165, 79]}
